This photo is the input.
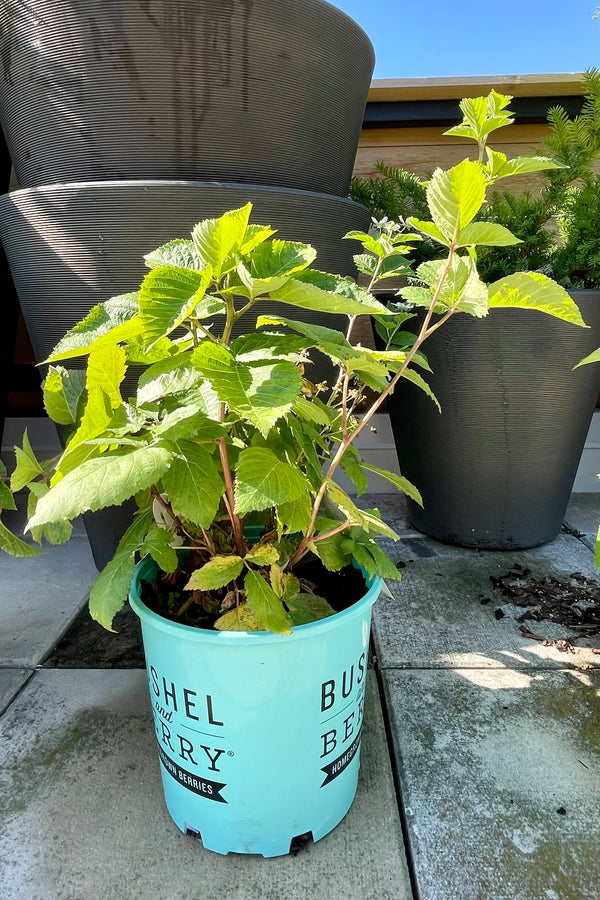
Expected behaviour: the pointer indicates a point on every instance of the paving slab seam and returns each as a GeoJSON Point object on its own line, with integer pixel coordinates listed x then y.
{"type": "Point", "coordinates": [4, 709]}
{"type": "Point", "coordinates": [396, 779]}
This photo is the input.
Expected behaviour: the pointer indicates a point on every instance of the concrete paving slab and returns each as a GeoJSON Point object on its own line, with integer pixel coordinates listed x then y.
{"type": "Point", "coordinates": [39, 597]}
{"type": "Point", "coordinates": [583, 517]}
{"type": "Point", "coordinates": [500, 775]}
{"type": "Point", "coordinates": [435, 617]}
{"type": "Point", "coordinates": [84, 816]}
{"type": "Point", "coordinates": [11, 682]}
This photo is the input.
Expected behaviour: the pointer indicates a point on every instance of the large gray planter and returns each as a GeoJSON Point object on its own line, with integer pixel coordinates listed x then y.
{"type": "Point", "coordinates": [72, 246]}
{"type": "Point", "coordinates": [497, 466]}
{"type": "Point", "coordinates": [261, 91]}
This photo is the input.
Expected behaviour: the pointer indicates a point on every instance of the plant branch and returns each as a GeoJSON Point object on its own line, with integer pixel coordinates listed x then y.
{"type": "Point", "coordinates": [238, 528]}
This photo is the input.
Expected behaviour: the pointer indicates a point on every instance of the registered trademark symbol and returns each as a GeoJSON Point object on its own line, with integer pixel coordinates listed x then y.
{"type": "Point", "coordinates": [230, 753]}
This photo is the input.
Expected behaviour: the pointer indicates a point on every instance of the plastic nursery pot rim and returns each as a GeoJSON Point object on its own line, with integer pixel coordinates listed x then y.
{"type": "Point", "coordinates": [147, 566]}
{"type": "Point", "coordinates": [226, 186]}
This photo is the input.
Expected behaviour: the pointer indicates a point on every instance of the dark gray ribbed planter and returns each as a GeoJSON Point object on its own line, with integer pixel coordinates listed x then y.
{"type": "Point", "coordinates": [497, 466]}
{"type": "Point", "coordinates": [72, 246]}
{"type": "Point", "coordinates": [260, 91]}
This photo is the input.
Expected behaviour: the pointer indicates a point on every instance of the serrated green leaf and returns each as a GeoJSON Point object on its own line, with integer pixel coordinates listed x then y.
{"type": "Point", "coordinates": [420, 382]}
{"type": "Point", "coordinates": [239, 619]}
{"type": "Point", "coordinates": [110, 322]}
{"type": "Point", "coordinates": [57, 532]}
{"type": "Point", "coordinates": [532, 290]}
{"type": "Point", "coordinates": [430, 229]}
{"type": "Point", "coordinates": [295, 515]}
{"type": "Point", "coordinates": [250, 287]}
{"type": "Point", "coordinates": [486, 233]}
{"type": "Point", "coordinates": [265, 605]}
{"type": "Point", "coordinates": [403, 484]}
{"type": "Point", "coordinates": [27, 467]}
{"type": "Point", "coordinates": [262, 555]}
{"type": "Point", "coordinates": [97, 483]}
{"type": "Point", "coordinates": [168, 377]}
{"type": "Point", "coordinates": [180, 252]}
{"type": "Point", "coordinates": [7, 501]}
{"type": "Point", "coordinates": [14, 545]}
{"type": "Point", "coordinates": [330, 552]}
{"type": "Point", "coordinates": [189, 422]}
{"type": "Point", "coordinates": [138, 353]}
{"type": "Point", "coordinates": [311, 411]}
{"type": "Point", "coordinates": [305, 608]}
{"type": "Point", "coordinates": [365, 263]}
{"type": "Point", "coordinates": [105, 372]}
{"type": "Point", "coordinates": [275, 258]}
{"type": "Point", "coordinates": [326, 293]}
{"type": "Point", "coordinates": [261, 347]}
{"type": "Point", "coordinates": [263, 480]}
{"type": "Point", "coordinates": [215, 239]}
{"type": "Point", "coordinates": [194, 484]}
{"type": "Point", "coordinates": [369, 242]}
{"type": "Point", "coordinates": [417, 296]}
{"type": "Point", "coordinates": [594, 357]}
{"type": "Point", "coordinates": [353, 469]}
{"type": "Point", "coordinates": [158, 545]}
{"type": "Point", "coordinates": [258, 394]}
{"type": "Point", "coordinates": [253, 236]}
{"type": "Point", "coordinates": [455, 197]}
{"type": "Point", "coordinates": [63, 390]}
{"type": "Point", "coordinates": [216, 573]}
{"type": "Point", "coordinates": [520, 165]}
{"type": "Point", "coordinates": [168, 296]}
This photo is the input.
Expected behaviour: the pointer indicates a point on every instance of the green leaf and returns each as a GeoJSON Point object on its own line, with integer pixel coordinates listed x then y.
{"type": "Point", "coordinates": [105, 372]}
{"type": "Point", "coordinates": [250, 287]}
{"type": "Point", "coordinates": [263, 480]}
{"type": "Point", "coordinates": [295, 515]}
{"type": "Point", "coordinates": [63, 390]}
{"type": "Point", "coordinates": [194, 484]}
{"type": "Point", "coordinates": [238, 619]}
{"type": "Point", "coordinates": [259, 394]}
{"type": "Point", "coordinates": [430, 229]}
{"type": "Point", "coordinates": [27, 467]}
{"type": "Point", "coordinates": [330, 551]}
{"type": "Point", "coordinates": [369, 242]}
{"type": "Point", "coordinates": [189, 422]}
{"type": "Point", "coordinates": [168, 377]}
{"type": "Point", "coordinates": [305, 608]}
{"type": "Point", "coordinates": [107, 323]}
{"type": "Point", "coordinates": [592, 358]}
{"type": "Point", "coordinates": [7, 501]}
{"type": "Point", "coordinates": [417, 296]}
{"type": "Point", "coordinates": [420, 382]}
{"type": "Point", "coordinates": [265, 605]}
{"type": "Point", "coordinates": [216, 573]}
{"type": "Point", "coordinates": [276, 258]}
{"type": "Point", "coordinates": [169, 295]}
{"type": "Point", "coordinates": [532, 290]}
{"type": "Point", "coordinates": [262, 555]}
{"type": "Point", "coordinates": [180, 252]}
{"type": "Point", "coordinates": [111, 588]}
{"type": "Point", "coordinates": [403, 484]}
{"type": "Point", "coordinates": [365, 263]}
{"type": "Point", "coordinates": [261, 347]}
{"type": "Point", "coordinates": [253, 236]}
{"type": "Point", "coordinates": [58, 532]}
{"type": "Point", "coordinates": [158, 544]}
{"type": "Point", "coordinates": [14, 545]}
{"type": "Point", "coordinates": [503, 168]}
{"type": "Point", "coordinates": [329, 294]}
{"type": "Point", "coordinates": [456, 196]}
{"type": "Point", "coordinates": [354, 470]}
{"type": "Point", "coordinates": [97, 483]}
{"type": "Point", "coordinates": [317, 413]}
{"type": "Point", "coordinates": [487, 233]}
{"type": "Point", "coordinates": [215, 239]}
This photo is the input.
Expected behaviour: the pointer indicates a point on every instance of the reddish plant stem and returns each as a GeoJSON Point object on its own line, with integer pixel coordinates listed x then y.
{"type": "Point", "coordinates": [236, 522]}
{"type": "Point", "coordinates": [424, 333]}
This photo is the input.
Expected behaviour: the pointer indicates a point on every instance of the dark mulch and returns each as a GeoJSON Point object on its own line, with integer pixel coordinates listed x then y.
{"type": "Point", "coordinates": [574, 604]}
{"type": "Point", "coordinates": [87, 645]}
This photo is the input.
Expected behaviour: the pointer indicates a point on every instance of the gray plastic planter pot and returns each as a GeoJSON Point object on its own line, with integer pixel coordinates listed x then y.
{"type": "Point", "coordinates": [72, 246]}
{"type": "Point", "coordinates": [260, 91]}
{"type": "Point", "coordinates": [497, 466]}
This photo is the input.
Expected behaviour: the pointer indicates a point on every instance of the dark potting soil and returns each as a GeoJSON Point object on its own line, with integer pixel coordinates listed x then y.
{"type": "Point", "coordinates": [165, 595]}
{"type": "Point", "coordinates": [574, 604]}
{"type": "Point", "coordinates": [87, 645]}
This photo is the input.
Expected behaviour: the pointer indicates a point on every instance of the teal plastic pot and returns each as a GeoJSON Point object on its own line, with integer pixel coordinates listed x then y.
{"type": "Point", "coordinates": [258, 734]}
